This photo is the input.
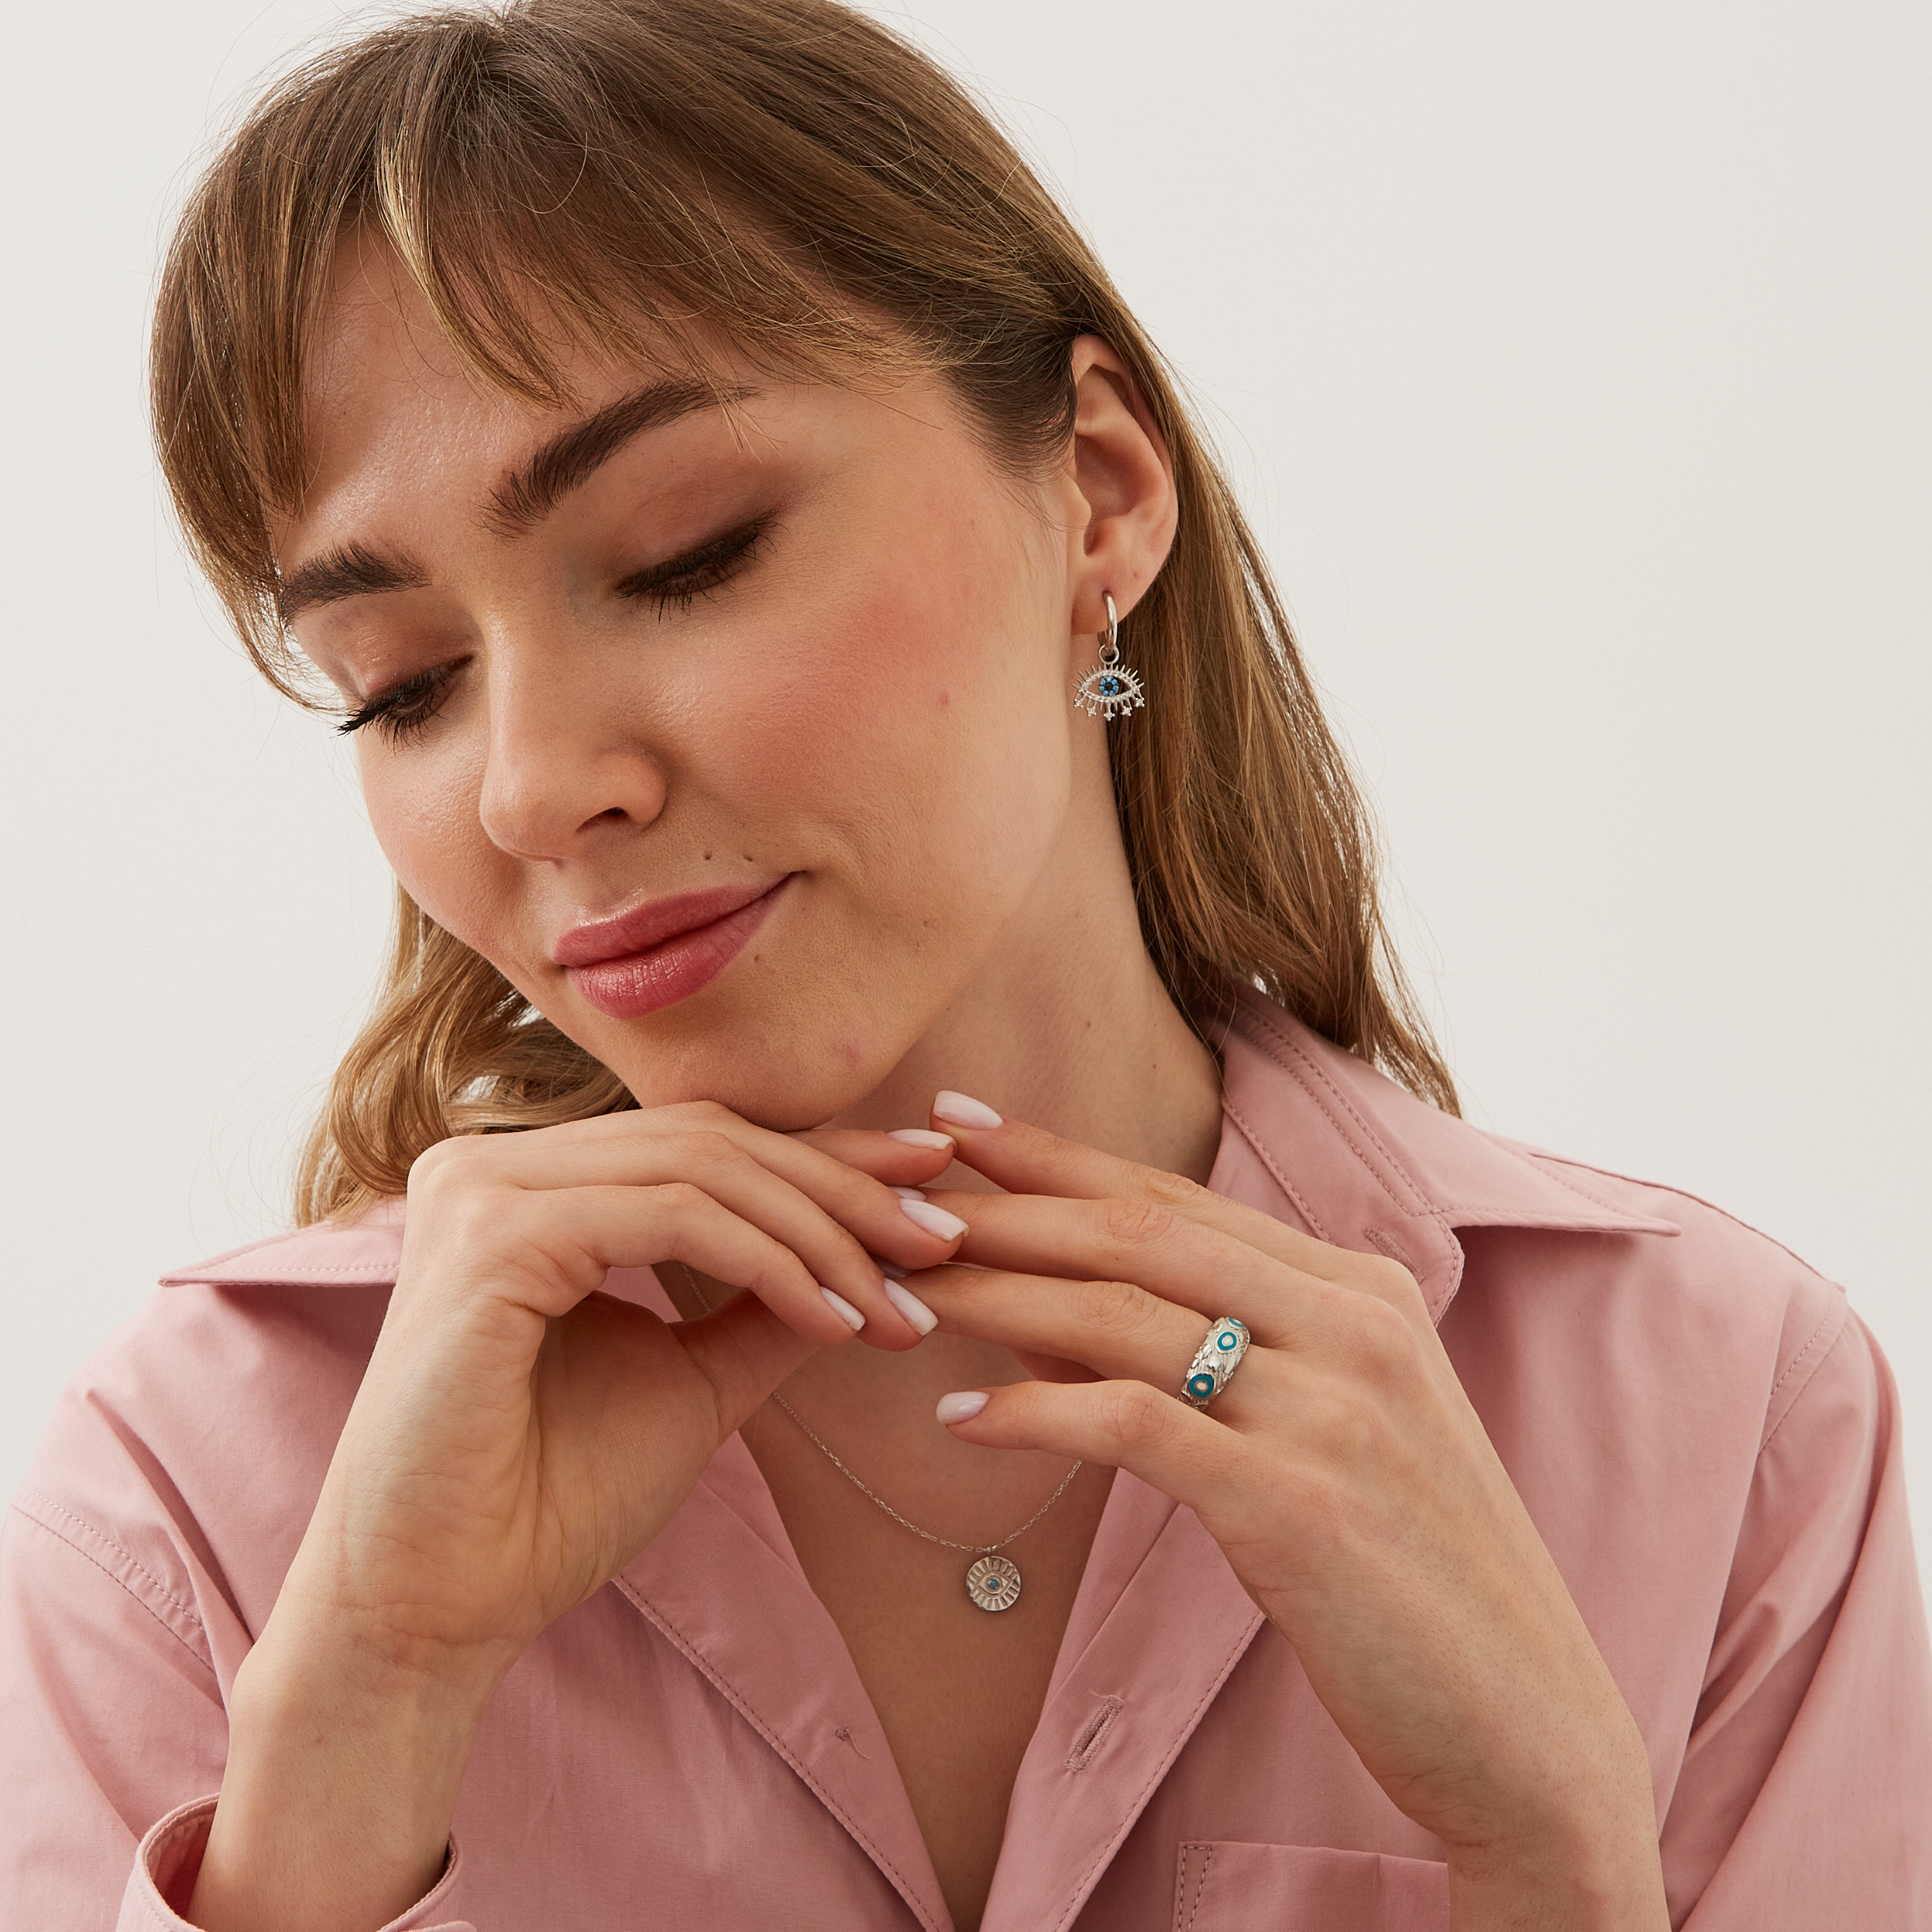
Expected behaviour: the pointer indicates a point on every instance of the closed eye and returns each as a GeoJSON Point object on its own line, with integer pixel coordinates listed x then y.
{"type": "Point", "coordinates": [404, 710]}
{"type": "Point", "coordinates": [681, 579]}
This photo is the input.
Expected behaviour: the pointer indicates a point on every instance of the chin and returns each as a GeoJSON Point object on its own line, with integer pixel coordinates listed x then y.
{"type": "Point", "coordinates": [785, 1078]}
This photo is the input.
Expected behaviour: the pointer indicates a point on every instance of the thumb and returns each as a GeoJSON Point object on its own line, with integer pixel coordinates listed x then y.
{"type": "Point", "coordinates": [744, 1352]}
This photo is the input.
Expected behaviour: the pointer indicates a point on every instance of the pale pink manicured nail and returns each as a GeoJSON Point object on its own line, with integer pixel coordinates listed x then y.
{"type": "Point", "coordinates": [962, 1110]}
{"type": "Point", "coordinates": [962, 1408]}
{"type": "Point", "coordinates": [934, 1220]}
{"type": "Point", "coordinates": [909, 1194]}
{"type": "Point", "coordinates": [910, 1305]}
{"type": "Point", "coordinates": [891, 1271]}
{"type": "Point", "coordinates": [918, 1137]}
{"type": "Point", "coordinates": [846, 1312]}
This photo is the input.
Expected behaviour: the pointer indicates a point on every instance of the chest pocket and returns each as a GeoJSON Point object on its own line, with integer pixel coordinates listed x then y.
{"type": "Point", "coordinates": [1226, 1887]}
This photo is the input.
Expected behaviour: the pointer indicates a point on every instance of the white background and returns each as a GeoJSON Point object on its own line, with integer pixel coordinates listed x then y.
{"type": "Point", "coordinates": [1574, 361]}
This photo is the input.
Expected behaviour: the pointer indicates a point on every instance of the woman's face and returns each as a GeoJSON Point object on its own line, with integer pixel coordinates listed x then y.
{"type": "Point", "coordinates": [739, 742]}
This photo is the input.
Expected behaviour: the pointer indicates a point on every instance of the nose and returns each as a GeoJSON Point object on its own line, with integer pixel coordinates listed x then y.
{"type": "Point", "coordinates": [564, 766]}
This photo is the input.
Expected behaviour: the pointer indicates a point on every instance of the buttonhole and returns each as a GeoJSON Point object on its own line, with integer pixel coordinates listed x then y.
{"type": "Point", "coordinates": [1390, 1246]}
{"type": "Point", "coordinates": [1088, 1740]}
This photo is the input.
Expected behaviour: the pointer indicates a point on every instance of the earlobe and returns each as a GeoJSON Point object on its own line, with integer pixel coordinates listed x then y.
{"type": "Point", "coordinates": [1123, 474]}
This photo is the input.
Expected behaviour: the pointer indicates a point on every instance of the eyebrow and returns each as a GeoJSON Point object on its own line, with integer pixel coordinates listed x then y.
{"type": "Point", "coordinates": [568, 461]}
{"type": "Point", "coordinates": [521, 500]}
{"type": "Point", "coordinates": [353, 571]}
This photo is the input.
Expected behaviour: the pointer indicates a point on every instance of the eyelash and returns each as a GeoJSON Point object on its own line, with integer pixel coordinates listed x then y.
{"type": "Point", "coordinates": [697, 572]}
{"type": "Point", "coordinates": [404, 712]}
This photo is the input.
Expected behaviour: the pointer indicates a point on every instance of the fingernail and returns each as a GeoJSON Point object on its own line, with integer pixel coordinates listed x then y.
{"type": "Point", "coordinates": [962, 1110]}
{"type": "Point", "coordinates": [918, 1137]}
{"type": "Point", "coordinates": [910, 1305]}
{"type": "Point", "coordinates": [962, 1408]}
{"type": "Point", "coordinates": [934, 1220]}
{"type": "Point", "coordinates": [892, 1270]}
{"type": "Point", "coordinates": [846, 1312]}
{"type": "Point", "coordinates": [909, 1194]}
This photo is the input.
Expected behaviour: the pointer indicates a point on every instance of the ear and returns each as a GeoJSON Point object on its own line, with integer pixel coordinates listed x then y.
{"type": "Point", "coordinates": [1120, 478]}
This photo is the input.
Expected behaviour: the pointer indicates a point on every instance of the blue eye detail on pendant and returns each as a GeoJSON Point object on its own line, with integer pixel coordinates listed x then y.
{"type": "Point", "coordinates": [1225, 1339]}
{"type": "Point", "coordinates": [1200, 1387]}
{"type": "Point", "coordinates": [993, 1584]}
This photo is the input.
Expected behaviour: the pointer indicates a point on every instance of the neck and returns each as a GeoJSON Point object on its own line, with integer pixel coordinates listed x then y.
{"type": "Point", "coordinates": [1067, 1024]}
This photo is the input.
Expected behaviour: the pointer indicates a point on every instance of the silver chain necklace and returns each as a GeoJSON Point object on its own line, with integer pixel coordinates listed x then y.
{"type": "Point", "coordinates": [994, 1582]}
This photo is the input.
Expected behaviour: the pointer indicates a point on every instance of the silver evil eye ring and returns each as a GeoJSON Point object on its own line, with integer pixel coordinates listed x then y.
{"type": "Point", "coordinates": [1215, 1362]}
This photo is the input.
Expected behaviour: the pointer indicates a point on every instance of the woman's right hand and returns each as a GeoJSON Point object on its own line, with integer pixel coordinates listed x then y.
{"type": "Point", "coordinates": [517, 1439]}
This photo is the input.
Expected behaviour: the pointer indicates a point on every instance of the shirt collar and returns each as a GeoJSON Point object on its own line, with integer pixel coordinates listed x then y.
{"type": "Point", "coordinates": [1323, 1140]}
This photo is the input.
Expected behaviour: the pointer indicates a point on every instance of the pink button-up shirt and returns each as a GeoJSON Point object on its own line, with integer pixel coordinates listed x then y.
{"type": "Point", "coordinates": [1706, 1437]}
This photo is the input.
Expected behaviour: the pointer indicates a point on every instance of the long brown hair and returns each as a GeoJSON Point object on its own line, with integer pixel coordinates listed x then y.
{"type": "Point", "coordinates": [784, 173]}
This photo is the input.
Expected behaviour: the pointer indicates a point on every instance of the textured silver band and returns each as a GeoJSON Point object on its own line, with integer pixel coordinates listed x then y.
{"type": "Point", "coordinates": [1215, 1360]}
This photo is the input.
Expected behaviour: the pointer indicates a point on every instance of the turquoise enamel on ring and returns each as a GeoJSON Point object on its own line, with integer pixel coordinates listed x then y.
{"type": "Point", "coordinates": [1216, 1359]}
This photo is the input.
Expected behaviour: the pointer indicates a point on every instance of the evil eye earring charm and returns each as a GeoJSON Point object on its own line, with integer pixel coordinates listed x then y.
{"type": "Point", "coordinates": [1109, 689]}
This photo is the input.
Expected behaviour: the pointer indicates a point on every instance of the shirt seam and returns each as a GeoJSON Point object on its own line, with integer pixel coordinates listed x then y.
{"type": "Point", "coordinates": [1696, 1200]}
{"type": "Point", "coordinates": [1249, 1133]}
{"type": "Point", "coordinates": [1427, 1209]}
{"type": "Point", "coordinates": [1200, 1886]}
{"type": "Point", "coordinates": [87, 1556]}
{"type": "Point", "coordinates": [1428, 1214]}
{"type": "Point", "coordinates": [1839, 1315]}
{"type": "Point", "coordinates": [1534, 1162]}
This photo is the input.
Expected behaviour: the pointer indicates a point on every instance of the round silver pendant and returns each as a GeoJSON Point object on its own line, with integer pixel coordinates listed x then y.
{"type": "Point", "coordinates": [993, 1584]}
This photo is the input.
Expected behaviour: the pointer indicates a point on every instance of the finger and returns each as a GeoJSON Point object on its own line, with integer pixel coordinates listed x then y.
{"type": "Point", "coordinates": [1109, 1242]}
{"type": "Point", "coordinates": [801, 1157]}
{"type": "Point", "coordinates": [616, 1148]}
{"type": "Point", "coordinates": [1025, 1159]}
{"type": "Point", "coordinates": [836, 1222]}
{"type": "Point", "coordinates": [1114, 1329]}
{"type": "Point", "coordinates": [885, 1157]}
{"type": "Point", "coordinates": [744, 1352]}
{"type": "Point", "coordinates": [1125, 1425]}
{"type": "Point", "coordinates": [543, 1250]}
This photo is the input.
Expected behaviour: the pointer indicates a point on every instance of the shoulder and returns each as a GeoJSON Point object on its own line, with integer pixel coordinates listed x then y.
{"type": "Point", "coordinates": [1720, 1312]}
{"type": "Point", "coordinates": [1529, 1245]}
{"type": "Point", "coordinates": [184, 1458]}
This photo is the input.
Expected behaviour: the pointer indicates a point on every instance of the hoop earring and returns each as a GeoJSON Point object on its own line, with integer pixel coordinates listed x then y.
{"type": "Point", "coordinates": [1110, 690]}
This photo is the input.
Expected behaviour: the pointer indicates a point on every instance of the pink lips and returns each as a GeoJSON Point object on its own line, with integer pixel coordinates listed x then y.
{"type": "Point", "coordinates": [663, 952]}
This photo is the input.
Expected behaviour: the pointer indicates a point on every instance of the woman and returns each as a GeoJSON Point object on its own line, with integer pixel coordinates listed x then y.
{"type": "Point", "coordinates": [888, 995]}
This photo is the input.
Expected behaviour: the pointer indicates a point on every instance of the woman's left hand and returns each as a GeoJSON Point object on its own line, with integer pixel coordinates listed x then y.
{"type": "Point", "coordinates": [1351, 1487]}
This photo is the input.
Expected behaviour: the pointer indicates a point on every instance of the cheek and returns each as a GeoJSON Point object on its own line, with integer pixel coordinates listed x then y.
{"type": "Point", "coordinates": [915, 710]}
{"type": "Point", "coordinates": [422, 804]}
